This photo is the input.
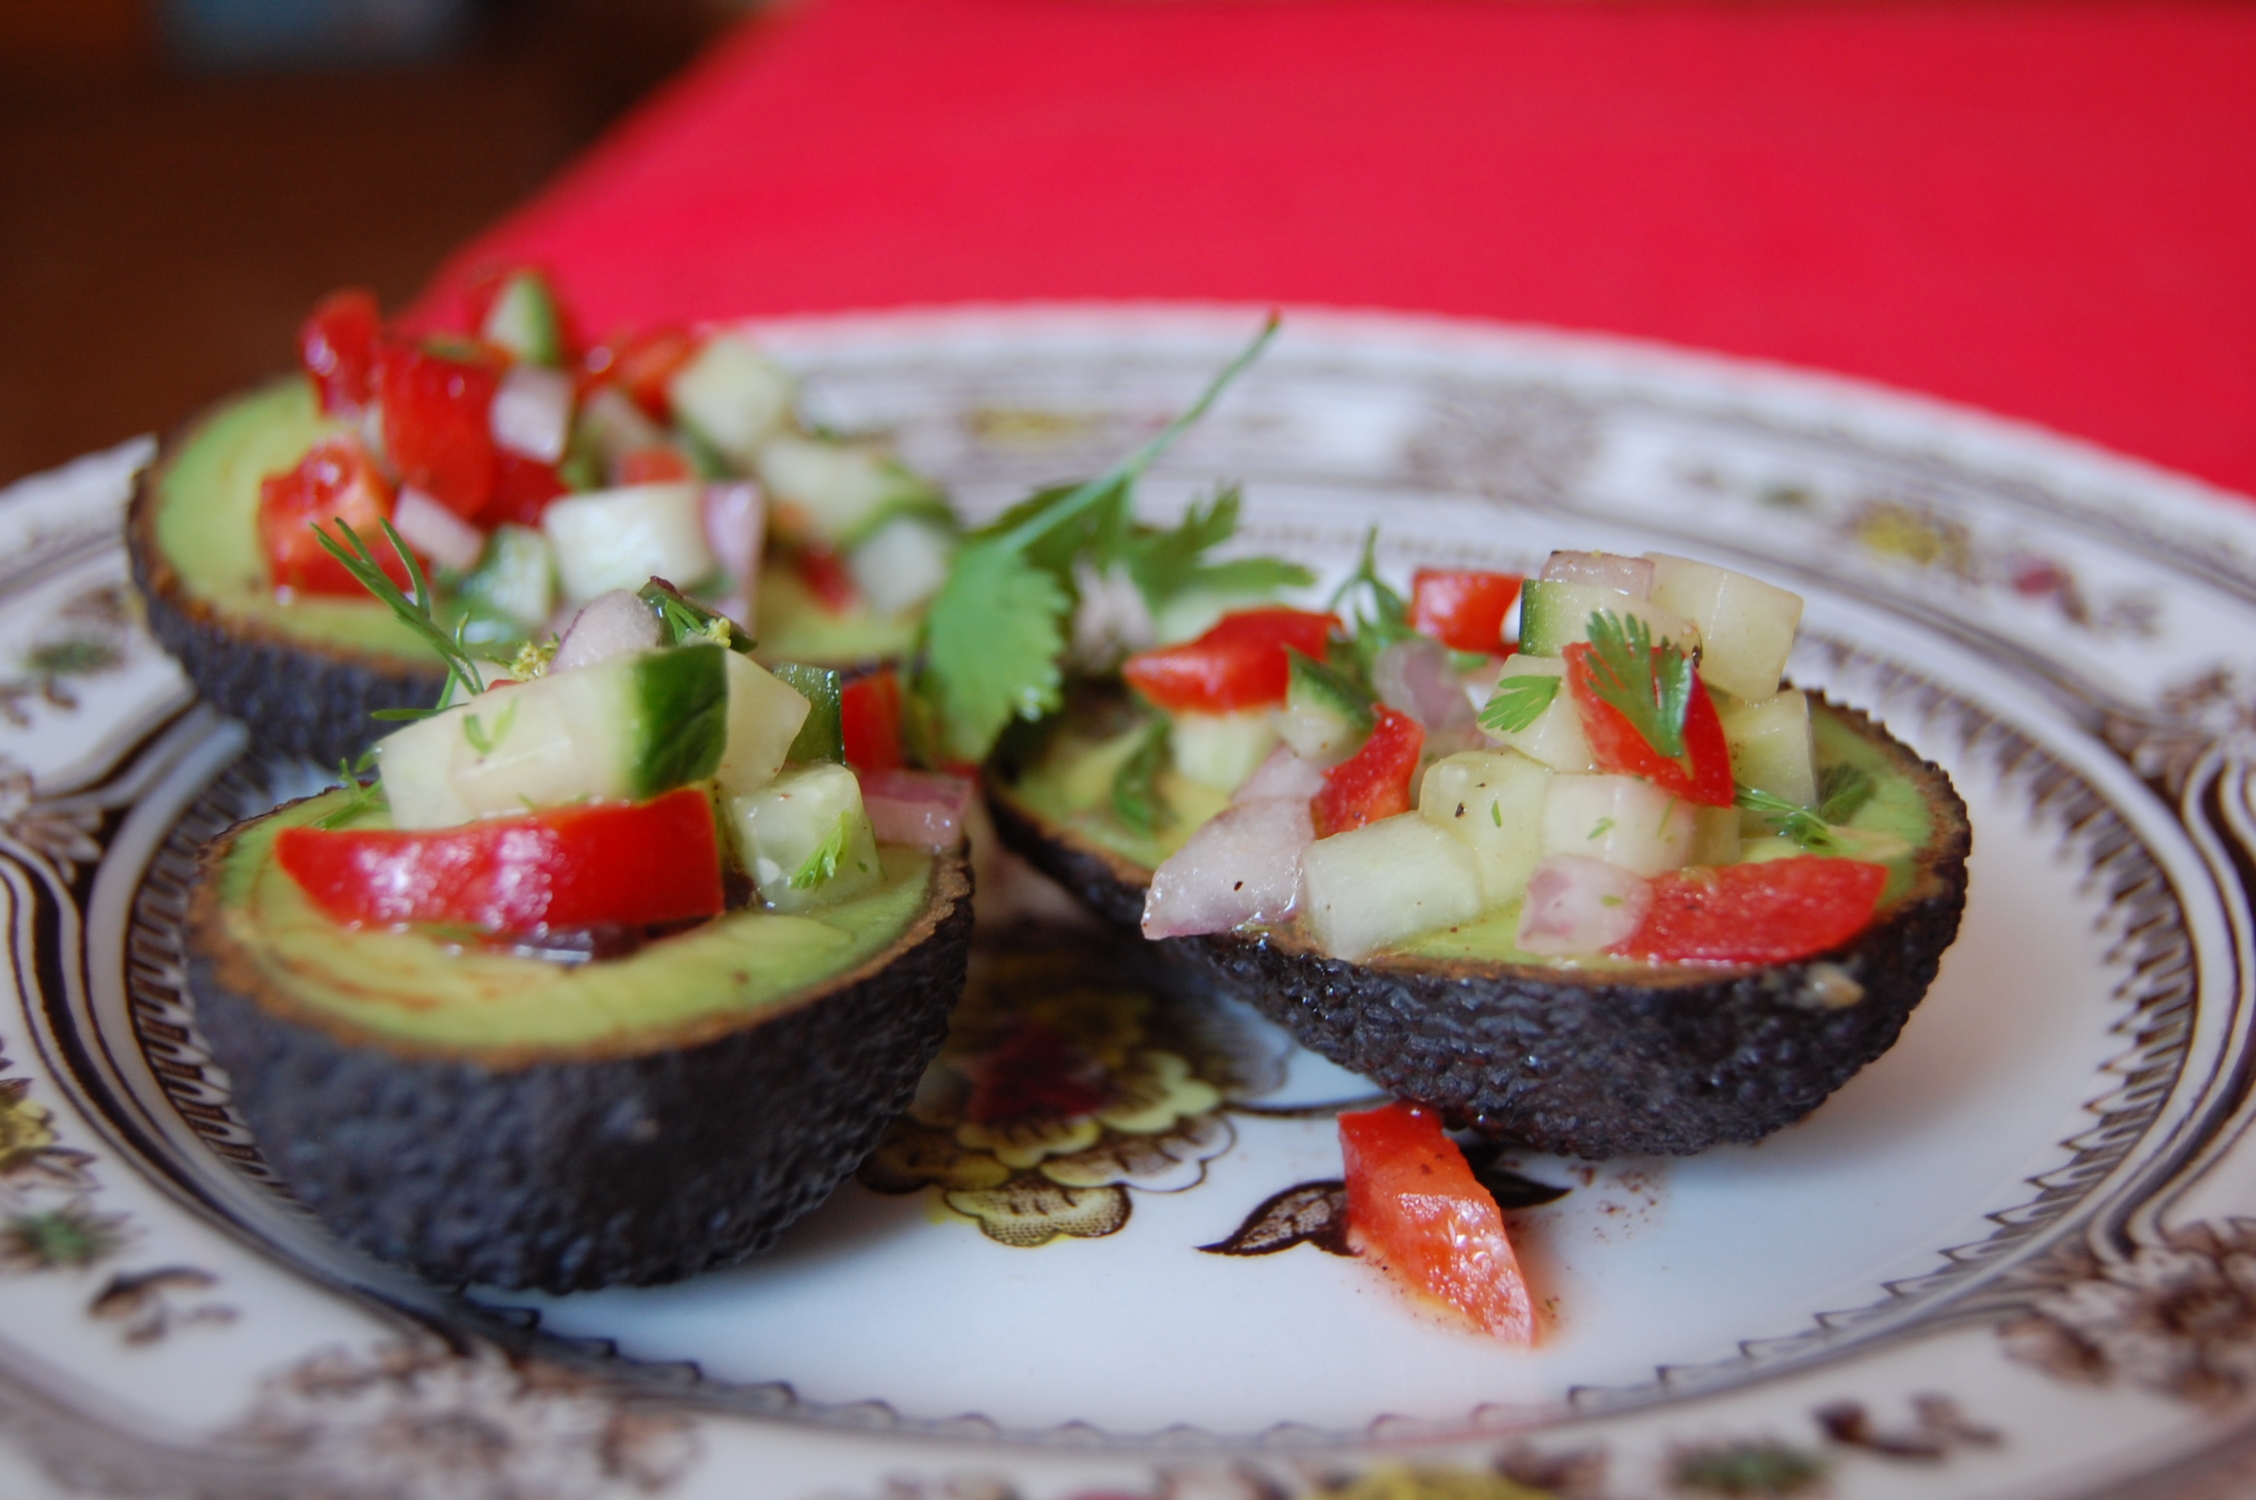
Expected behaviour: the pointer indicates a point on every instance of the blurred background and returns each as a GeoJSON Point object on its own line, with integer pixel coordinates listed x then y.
{"type": "Point", "coordinates": [180, 180]}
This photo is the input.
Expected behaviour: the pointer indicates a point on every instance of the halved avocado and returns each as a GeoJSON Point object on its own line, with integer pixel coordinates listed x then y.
{"type": "Point", "coordinates": [304, 674]}
{"type": "Point", "coordinates": [1595, 1059]}
{"type": "Point", "coordinates": [486, 1117]}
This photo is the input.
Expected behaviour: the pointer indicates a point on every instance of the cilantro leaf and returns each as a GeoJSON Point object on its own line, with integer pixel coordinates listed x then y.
{"type": "Point", "coordinates": [821, 863]}
{"type": "Point", "coordinates": [1797, 823]}
{"type": "Point", "coordinates": [1841, 790]}
{"type": "Point", "coordinates": [1649, 686]}
{"type": "Point", "coordinates": [991, 639]}
{"type": "Point", "coordinates": [1518, 702]}
{"type": "Point", "coordinates": [1387, 619]}
{"type": "Point", "coordinates": [1135, 786]}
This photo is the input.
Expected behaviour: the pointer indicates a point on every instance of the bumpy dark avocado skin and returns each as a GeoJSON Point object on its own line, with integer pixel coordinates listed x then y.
{"type": "Point", "coordinates": [1593, 1065]}
{"type": "Point", "coordinates": [573, 1174]}
{"type": "Point", "coordinates": [301, 697]}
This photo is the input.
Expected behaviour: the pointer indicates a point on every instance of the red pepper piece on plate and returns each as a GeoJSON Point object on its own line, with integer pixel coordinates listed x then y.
{"type": "Point", "coordinates": [1703, 775]}
{"type": "Point", "coordinates": [335, 481]}
{"type": "Point", "coordinates": [1240, 663]}
{"type": "Point", "coordinates": [437, 432]}
{"type": "Point", "coordinates": [1374, 782]}
{"type": "Point", "coordinates": [523, 487]}
{"type": "Point", "coordinates": [656, 464]}
{"type": "Point", "coordinates": [1462, 608]}
{"type": "Point", "coordinates": [1414, 1206]}
{"type": "Point", "coordinates": [869, 711]}
{"type": "Point", "coordinates": [643, 363]}
{"type": "Point", "coordinates": [337, 347]}
{"type": "Point", "coordinates": [635, 864]}
{"type": "Point", "coordinates": [824, 573]}
{"type": "Point", "coordinates": [1771, 912]}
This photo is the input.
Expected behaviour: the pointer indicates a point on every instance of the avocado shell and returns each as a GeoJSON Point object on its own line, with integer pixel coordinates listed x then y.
{"type": "Point", "coordinates": [299, 696]}
{"type": "Point", "coordinates": [670, 1156]}
{"type": "Point", "coordinates": [1589, 1063]}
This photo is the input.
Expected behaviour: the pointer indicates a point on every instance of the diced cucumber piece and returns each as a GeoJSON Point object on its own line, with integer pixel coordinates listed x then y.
{"type": "Point", "coordinates": [1492, 802]}
{"type": "Point", "coordinates": [732, 396]}
{"type": "Point", "coordinates": [1326, 716]}
{"type": "Point", "coordinates": [804, 838]}
{"type": "Point", "coordinates": [620, 538]}
{"type": "Point", "coordinates": [1221, 750]}
{"type": "Point", "coordinates": [610, 420]}
{"type": "Point", "coordinates": [1772, 748]}
{"type": "Point", "coordinates": [1623, 820]}
{"type": "Point", "coordinates": [822, 735]}
{"type": "Point", "coordinates": [902, 564]}
{"type": "Point", "coordinates": [1192, 613]}
{"type": "Point", "coordinates": [626, 728]}
{"type": "Point", "coordinates": [1746, 626]}
{"type": "Point", "coordinates": [838, 490]}
{"type": "Point", "coordinates": [1387, 881]}
{"type": "Point", "coordinates": [1555, 738]}
{"type": "Point", "coordinates": [516, 578]}
{"type": "Point", "coordinates": [764, 718]}
{"type": "Point", "coordinates": [1555, 615]}
{"type": "Point", "coordinates": [524, 320]}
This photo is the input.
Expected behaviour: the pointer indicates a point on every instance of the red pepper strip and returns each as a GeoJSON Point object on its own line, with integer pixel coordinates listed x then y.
{"type": "Point", "coordinates": [1703, 776]}
{"type": "Point", "coordinates": [334, 481]}
{"type": "Point", "coordinates": [1374, 782]}
{"type": "Point", "coordinates": [1414, 1206]}
{"type": "Point", "coordinates": [645, 363]}
{"type": "Point", "coordinates": [1240, 663]}
{"type": "Point", "coordinates": [653, 465]}
{"type": "Point", "coordinates": [635, 864]}
{"type": "Point", "coordinates": [1462, 608]}
{"type": "Point", "coordinates": [1766, 913]}
{"type": "Point", "coordinates": [337, 346]}
{"type": "Point", "coordinates": [437, 413]}
{"type": "Point", "coordinates": [869, 712]}
{"type": "Point", "coordinates": [824, 573]}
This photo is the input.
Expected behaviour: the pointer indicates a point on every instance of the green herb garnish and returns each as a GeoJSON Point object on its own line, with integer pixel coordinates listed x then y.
{"type": "Point", "coordinates": [1798, 823]}
{"type": "Point", "coordinates": [462, 672]}
{"type": "Point", "coordinates": [360, 796]}
{"type": "Point", "coordinates": [1518, 702]}
{"type": "Point", "coordinates": [685, 621]}
{"type": "Point", "coordinates": [822, 863]}
{"type": "Point", "coordinates": [991, 641]}
{"type": "Point", "coordinates": [1841, 790]}
{"type": "Point", "coordinates": [1387, 618]}
{"type": "Point", "coordinates": [1135, 786]}
{"type": "Point", "coordinates": [1167, 564]}
{"type": "Point", "coordinates": [475, 731]}
{"type": "Point", "coordinates": [1651, 687]}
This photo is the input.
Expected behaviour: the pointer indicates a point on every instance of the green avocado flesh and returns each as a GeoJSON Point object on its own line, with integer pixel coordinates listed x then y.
{"type": "Point", "coordinates": [425, 992]}
{"type": "Point", "coordinates": [207, 522]}
{"type": "Point", "coordinates": [1071, 788]}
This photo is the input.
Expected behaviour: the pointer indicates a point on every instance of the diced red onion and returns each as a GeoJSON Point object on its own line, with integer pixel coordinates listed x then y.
{"type": "Point", "coordinates": [736, 521]}
{"type": "Point", "coordinates": [1416, 677]}
{"type": "Point", "coordinates": [613, 624]}
{"type": "Point", "coordinates": [1576, 906]}
{"type": "Point", "coordinates": [1283, 774]}
{"type": "Point", "coordinates": [922, 809]}
{"type": "Point", "coordinates": [1608, 570]}
{"type": "Point", "coordinates": [436, 532]}
{"type": "Point", "coordinates": [1242, 866]}
{"type": "Point", "coordinates": [532, 412]}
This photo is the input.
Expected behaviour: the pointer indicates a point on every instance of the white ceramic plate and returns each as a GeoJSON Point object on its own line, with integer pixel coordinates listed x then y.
{"type": "Point", "coordinates": [2015, 1257]}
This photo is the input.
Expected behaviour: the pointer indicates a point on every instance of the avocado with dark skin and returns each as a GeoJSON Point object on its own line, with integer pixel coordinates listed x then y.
{"type": "Point", "coordinates": [1596, 1060]}
{"type": "Point", "coordinates": [489, 1117]}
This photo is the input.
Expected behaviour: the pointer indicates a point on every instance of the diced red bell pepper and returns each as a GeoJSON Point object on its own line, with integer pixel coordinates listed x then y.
{"type": "Point", "coordinates": [1374, 782]}
{"type": "Point", "coordinates": [653, 465]}
{"type": "Point", "coordinates": [1462, 608]}
{"type": "Point", "coordinates": [824, 573]}
{"type": "Point", "coordinates": [523, 487]}
{"type": "Point", "coordinates": [1766, 913]}
{"type": "Point", "coordinates": [869, 713]}
{"type": "Point", "coordinates": [437, 415]}
{"type": "Point", "coordinates": [337, 346]}
{"type": "Point", "coordinates": [1702, 776]}
{"type": "Point", "coordinates": [643, 363]}
{"type": "Point", "coordinates": [335, 481]}
{"type": "Point", "coordinates": [1414, 1206]}
{"type": "Point", "coordinates": [1240, 663]}
{"type": "Point", "coordinates": [636, 864]}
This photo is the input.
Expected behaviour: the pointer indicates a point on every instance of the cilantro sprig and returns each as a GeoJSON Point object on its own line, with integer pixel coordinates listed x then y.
{"type": "Point", "coordinates": [990, 647]}
{"type": "Point", "coordinates": [1382, 616]}
{"type": "Point", "coordinates": [821, 863]}
{"type": "Point", "coordinates": [415, 613]}
{"type": "Point", "coordinates": [1794, 821]}
{"type": "Point", "coordinates": [360, 796]}
{"type": "Point", "coordinates": [1518, 702]}
{"type": "Point", "coordinates": [1650, 688]}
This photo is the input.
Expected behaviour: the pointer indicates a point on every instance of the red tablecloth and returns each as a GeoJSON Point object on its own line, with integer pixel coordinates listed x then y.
{"type": "Point", "coordinates": [2046, 210]}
